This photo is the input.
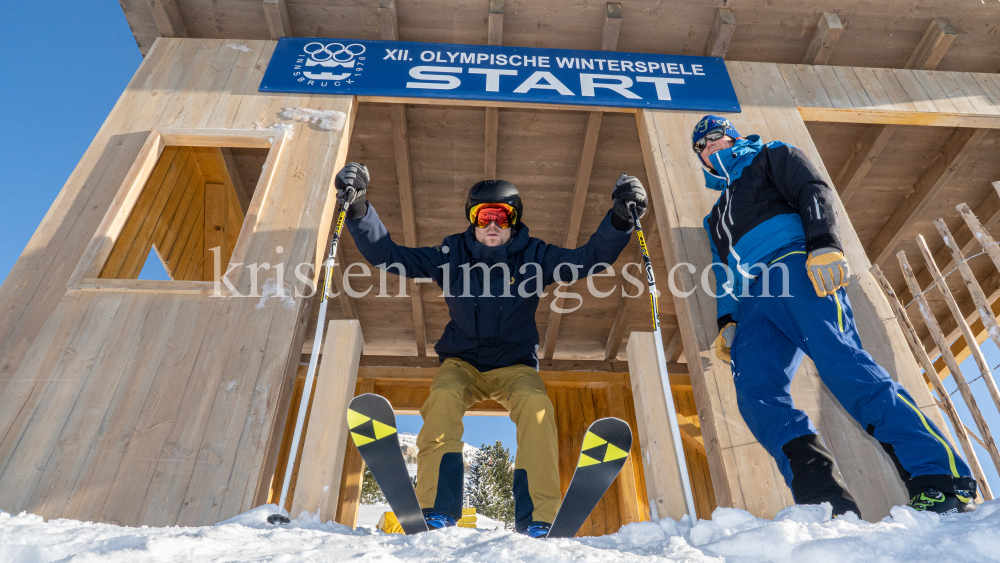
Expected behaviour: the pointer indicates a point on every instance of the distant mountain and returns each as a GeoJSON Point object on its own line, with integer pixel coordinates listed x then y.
{"type": "Point", "coordinates": [408, 445]}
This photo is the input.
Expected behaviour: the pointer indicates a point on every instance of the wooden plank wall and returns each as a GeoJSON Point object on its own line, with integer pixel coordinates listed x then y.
{"type": "Point", "coordinates": [743, 474]}
{"type": "Point", "coordinates": [578, 401]}
{"type": "Point", "coordinates": [160, 409]}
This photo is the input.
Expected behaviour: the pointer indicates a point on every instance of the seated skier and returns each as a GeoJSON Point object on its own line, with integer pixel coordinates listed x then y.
{"type": "Point", "coordinates": [775, 218]}
{"type": "Point", "coordinates": [492, 275]}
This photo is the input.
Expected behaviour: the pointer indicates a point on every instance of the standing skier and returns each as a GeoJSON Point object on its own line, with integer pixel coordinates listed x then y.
{"type": "Point", "coordinates": [492, 276]}
{"type": "Point", "coordinates": [775, 219]}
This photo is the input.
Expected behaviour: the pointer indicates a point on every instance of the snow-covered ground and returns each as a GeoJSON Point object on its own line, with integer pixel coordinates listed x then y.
{"type": "Point", "coordinates": [797, 534]}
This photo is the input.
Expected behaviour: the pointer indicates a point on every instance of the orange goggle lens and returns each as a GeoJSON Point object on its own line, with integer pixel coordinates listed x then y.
{"type": "Point", "coordinates": [485, 213]}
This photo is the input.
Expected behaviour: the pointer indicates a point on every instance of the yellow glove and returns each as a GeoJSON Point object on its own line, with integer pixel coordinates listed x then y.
{"type": "Point", "coordinates": [828, 270]}
{"type": "Point", "coordinates": [725, 341]}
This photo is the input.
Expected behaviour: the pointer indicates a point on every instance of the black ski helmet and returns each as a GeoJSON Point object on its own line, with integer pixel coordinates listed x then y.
{"type": "Point", "coordinates": [494, 191]}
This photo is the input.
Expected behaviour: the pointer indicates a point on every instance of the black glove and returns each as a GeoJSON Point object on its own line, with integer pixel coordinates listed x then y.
{"type": "Point", "coordinates": [627, 188]}
{"type": "Point", "coordinates": [355, 176]}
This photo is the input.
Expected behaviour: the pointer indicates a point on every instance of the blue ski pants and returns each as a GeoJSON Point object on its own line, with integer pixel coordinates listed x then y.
{"type": "Point", "coordinates": [774, 333]}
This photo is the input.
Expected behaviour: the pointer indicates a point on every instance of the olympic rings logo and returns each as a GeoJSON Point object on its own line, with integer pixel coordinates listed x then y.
{"type": "Point", "coordinates": [316, 49]}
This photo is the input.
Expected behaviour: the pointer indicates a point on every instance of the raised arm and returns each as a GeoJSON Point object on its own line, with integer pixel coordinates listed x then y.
{"type": "Point", "coordinates": [371, 236]}
{"type": "Point", "coordinates": [605, 244]}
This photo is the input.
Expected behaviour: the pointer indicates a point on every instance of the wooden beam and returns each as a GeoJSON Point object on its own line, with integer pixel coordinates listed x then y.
{"type": "Point", "coordinates": [612, 26]}
{"type": "Point", "coordinates": [167, 16]}
{"type": "Point", "coordinates": [278, 24]}
{"type": "Point", "coordinates": [404, 175]}
{"type": "Point", "coordinates": [215, 230]}
{"type": "Point", "coordinates": [620, 323]}
{"type": "Point", "coordinates": [931, 182]}
{"type": "Point", "coordinates": [932, 46]}
{"type": "Point", "coordinates": [317, 487]}
{"type": "Point", "coordinates": [652, 412]}
{"type": "Point", "coordinates": [861, 159]}
{"type": "Point", "coordinates": [387, 20]}
{"type": "Point", "coordinates": [609, 42]}
{"type": "Point", "coordinates": [494, 37]}
{"type": "Point", "coordinates": [824, 39]}
{"type": "Point", "coordinates": [721, 33]}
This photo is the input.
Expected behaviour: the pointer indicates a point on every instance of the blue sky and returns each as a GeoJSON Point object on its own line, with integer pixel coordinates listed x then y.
{"type": "Point", "coordinates": [64, 65]}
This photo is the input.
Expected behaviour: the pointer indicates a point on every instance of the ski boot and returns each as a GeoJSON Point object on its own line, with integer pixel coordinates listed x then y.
{"type": "Point", "coordinates": [933, 500]}
{"type": "Point", "coordinates": [539, 530]}
{"type": "Point", "coordinates": [437, 521]}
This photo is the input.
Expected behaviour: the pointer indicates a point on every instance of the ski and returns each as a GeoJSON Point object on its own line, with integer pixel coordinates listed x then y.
{"type": "Point", "coordinates": [373, 429]}
{"type": "Point", "coordinates": [605, 448]}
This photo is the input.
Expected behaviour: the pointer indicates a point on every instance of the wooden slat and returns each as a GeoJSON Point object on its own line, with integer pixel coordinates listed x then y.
{"type": "Point", "coordinates": [244, 194]}
{"type": "Point", "coordinates": [278, 24]}
{"type": "Point", "coordinates": [216, 208]}
{"type": "Point", "coordinates": [167, 16]}
{"type": "Point", "coordinates": [721, 33]}
{"type": "Point", "coordinates": [388, 28]}
{"type": "Point", "coordinates": [932, 46]}
{"type": "Point", "coordinates": [494, 36]}
{"type": "Point", "coordinates": [931, 182]}
{"type": "Point", "coordinates": [861, 159]}
{"type": "Point", "coordinates": [824, 39]}
{"type": "Point", "coordinates": [612, 26]}
{"type": "Point", "coordinates": [318, 485]}
{"type": "Point", "coordinates": [660, 463]}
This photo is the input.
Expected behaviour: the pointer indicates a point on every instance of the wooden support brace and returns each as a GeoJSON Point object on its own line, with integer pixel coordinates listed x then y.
{"type": "Point", "coordinates": [612, 26]}
{"type": "Point", "coordinates": [278, 23]}
{"type": "Point", "coordinates": [931, 182]}
{"type": "Point", "coordinates": [721, 34]}
{"type": "Point", "coordinates": [167, 16]}
{"type": "Point", "coordinates": [824, 39]}
{"type": "Point", "coordinates": [944, 402]}
{"type": "Point", "coordinates": [494, 37]}
{"type": "Point", "coordinates": [949, 358]}
{"type": "Point", "coordinates": [659, 458]}
{"type": "Point", "coordinates": [317, 488]}
{"type": "Point", "coordinates": [861, 159]}
{"type": "Point", "coordinates": [387, 24]}
{"type": "Point", "coordinates": [932, 46]}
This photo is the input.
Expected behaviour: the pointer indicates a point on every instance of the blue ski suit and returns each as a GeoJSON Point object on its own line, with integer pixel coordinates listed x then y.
{"type": "Point", "coordinates": [774, 209]}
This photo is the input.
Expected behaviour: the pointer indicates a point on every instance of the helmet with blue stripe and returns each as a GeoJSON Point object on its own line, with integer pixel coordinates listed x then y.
{"type": "Point", "coordinates": [710, 122]}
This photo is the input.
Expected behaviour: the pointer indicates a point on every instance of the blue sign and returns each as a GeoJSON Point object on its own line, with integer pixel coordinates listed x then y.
{"type": "Point", "coordinates": [509, 74]}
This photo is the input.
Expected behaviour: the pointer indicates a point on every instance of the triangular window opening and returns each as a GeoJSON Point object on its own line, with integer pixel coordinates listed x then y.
{"type": "Point", "coordinates": [154, 269]}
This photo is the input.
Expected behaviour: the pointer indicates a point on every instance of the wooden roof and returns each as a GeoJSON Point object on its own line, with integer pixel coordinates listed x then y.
{"type": "Point", "coordinates": [875, 34]}
{"type": "Point", "coordinates": [541, 150]}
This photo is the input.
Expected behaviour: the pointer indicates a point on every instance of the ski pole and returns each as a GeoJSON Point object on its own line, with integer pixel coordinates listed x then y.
{"type": "Point", "coordinates": [661, 362]}
{"type": "Point", "coordinates": [300, 420]}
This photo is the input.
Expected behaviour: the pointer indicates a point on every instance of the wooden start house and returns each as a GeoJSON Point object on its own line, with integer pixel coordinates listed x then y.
{"type": "Point", "coordinates": [171, 402]}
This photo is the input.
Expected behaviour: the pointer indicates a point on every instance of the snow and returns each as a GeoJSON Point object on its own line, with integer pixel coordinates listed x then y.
{"type": "Point", "coordinates": [328, 119]}
{"type": "Point", "coordinates": [796, 534]}
{"type": "Point", "coordinates": [239, 47]}
{"type": "Point", "coordinates": [370, 514]}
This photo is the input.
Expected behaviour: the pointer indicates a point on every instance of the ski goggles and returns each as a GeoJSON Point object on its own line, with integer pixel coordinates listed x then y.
{"type": "Point", "coordinates": [485, 213]}
{"type": "Point", "coordinates": [713, 135]}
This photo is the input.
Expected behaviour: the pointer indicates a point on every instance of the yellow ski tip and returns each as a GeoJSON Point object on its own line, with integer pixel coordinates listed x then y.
{"type": "Point", "coordinates": [591, 440]}
{"type": "Point", "coordinates": [586, 460]}
{"type": "Point", "coordinates": [360, 440]}
{"type": "Point", "coordinates": [614, 452]}
{"type": "Point", "coordinates": [382, 430]}
{"type": "Point", "coordinates": [355, 419]}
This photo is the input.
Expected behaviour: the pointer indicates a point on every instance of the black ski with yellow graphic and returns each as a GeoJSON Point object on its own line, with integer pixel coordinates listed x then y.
{"type": "Point", "coordinates": [373, 428]}
{"type": "Point", "coordinates": [605, 449]}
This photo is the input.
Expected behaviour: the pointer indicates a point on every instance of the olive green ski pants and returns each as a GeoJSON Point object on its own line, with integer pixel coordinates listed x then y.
{"type": "Point", "coordinates": [456, 387]}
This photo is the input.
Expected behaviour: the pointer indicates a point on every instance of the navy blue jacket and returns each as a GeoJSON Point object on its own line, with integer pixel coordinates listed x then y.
{"type": "Point", "coordinates": [774, 201]}
{"type": "Point", "coordinates": [496, 331]}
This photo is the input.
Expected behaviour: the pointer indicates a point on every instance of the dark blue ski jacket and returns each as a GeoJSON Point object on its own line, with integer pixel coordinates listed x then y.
{"type": "Point", "coordinates": [773, 201]}
{"type": "Point", "coordinates": [497, 330]}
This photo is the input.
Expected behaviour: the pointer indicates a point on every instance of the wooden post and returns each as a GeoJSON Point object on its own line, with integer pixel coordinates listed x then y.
{"type": "Point", "coordinates": [317, 488]}
{"type": "Point", "coordinates": [956, 311]}
{"type": "Point", "coordinates": [354, 471]}
{"type": "Point", "coordinates": [663, 477]}
{"type": "Point", "coordinates": [944, 399]}
{"type": "Point", "coordinates": [743, 474]}
{"type": "Point", "coordinates": [949, 358]}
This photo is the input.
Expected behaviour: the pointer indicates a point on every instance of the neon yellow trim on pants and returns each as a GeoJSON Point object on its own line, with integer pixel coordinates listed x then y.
{"type": "Point", "coordinates": [840, 311]}
{"type": "Point", "coordinates": [951, 456]}
{"type": "Point", "coordinates": [783, 256]}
